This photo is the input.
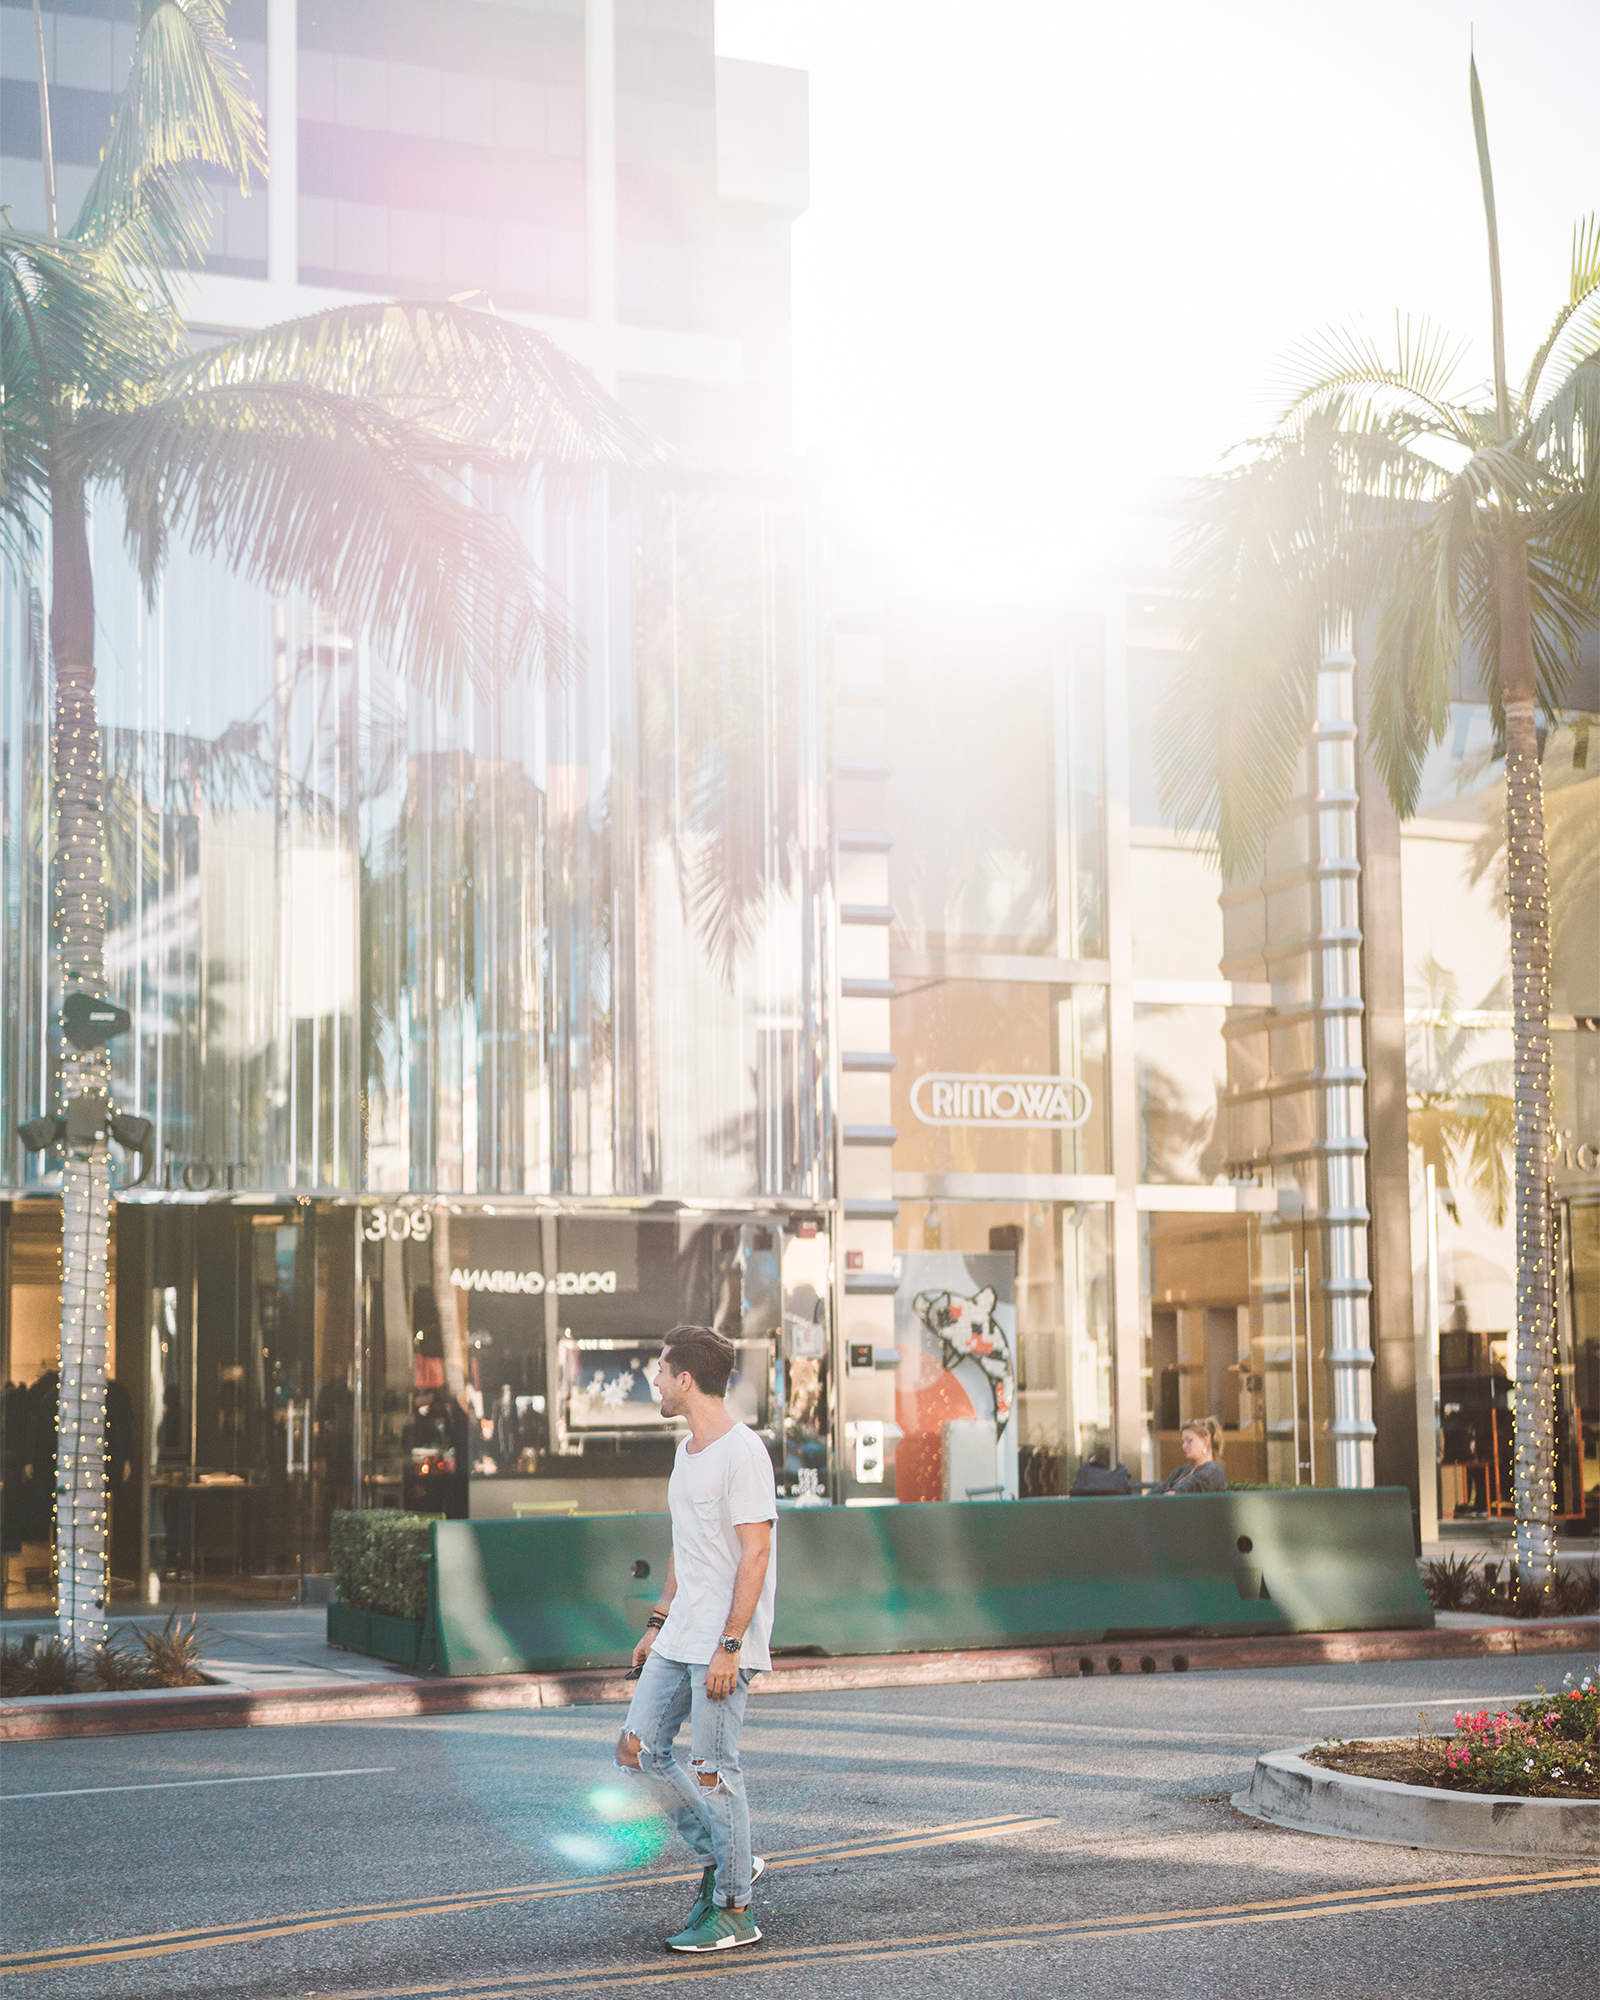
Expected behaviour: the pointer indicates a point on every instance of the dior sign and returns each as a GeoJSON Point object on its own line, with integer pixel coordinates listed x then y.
{"type": "Point", "coordinates": [1048, 1103]}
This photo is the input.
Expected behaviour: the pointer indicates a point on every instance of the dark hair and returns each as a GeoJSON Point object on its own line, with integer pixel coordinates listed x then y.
{"type": "Point", "coordinates": [707, 1356]}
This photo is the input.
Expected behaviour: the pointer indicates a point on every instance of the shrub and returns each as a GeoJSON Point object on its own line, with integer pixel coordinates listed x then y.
{"type": "Point", "coordinates": [44, 1667]}
{"type": "Point", "coordinates": [168, 1658]}
{"type": "Point", "coordinates": [1450, 1582]}
{"type": "Point", "coordinates": [380, 1561]}
{"type": "Point", "coordinates": [172, 1655]}
{"type": "Point", "coordinates": [1458, 1584]}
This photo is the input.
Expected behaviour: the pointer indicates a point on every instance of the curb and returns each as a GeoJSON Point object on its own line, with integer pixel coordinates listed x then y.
{"type": "Point", "coordinates": [53, 1716]}
{"type": "Point", "coordinates": [1287, 1791]}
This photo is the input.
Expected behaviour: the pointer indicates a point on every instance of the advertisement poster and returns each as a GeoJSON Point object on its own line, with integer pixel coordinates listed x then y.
{"type": "Point", "coordinates": [955, 1324]}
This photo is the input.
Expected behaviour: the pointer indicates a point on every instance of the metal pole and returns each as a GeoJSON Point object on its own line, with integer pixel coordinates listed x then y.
{"type": "Point", "coordinates": [358, 1372]}
{"type": "Point", "coordinates": [1311, 1371]}
{"type": "Point", "coordinates": [1294, 1371]}
{"type": "Point", "coordinates": [1431, 1322]}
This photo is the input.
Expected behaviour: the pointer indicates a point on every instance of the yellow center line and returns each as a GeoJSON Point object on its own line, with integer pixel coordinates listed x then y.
{"type": "Point", "coordinates": [660, 1971]}
{"type": "Point", "coordinates": [163, 1944]}
{"type": "Point", "coordinates": [475, 1899]}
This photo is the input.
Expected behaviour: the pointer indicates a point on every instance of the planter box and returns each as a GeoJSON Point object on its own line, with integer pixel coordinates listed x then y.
{"type": "Point", "coordinates": [400, 1641]}
{"type": "Point", "coordinates": [349, 1628]}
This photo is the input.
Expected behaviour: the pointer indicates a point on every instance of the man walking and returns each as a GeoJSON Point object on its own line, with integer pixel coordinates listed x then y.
{"type": "Point", "coordinates": [708, 1635]}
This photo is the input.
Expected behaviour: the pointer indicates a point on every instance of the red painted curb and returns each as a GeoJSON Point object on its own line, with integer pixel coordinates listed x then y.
{"type": "Point", "coordinates": [209, 1708]}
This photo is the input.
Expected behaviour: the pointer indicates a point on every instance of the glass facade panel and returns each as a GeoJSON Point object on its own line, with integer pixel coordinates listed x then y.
{"type": "Point", "coordinates": [570, 940]}
{"type": "Point", "coordinates": [1233, 1335]}
{"type": "Point", "coordinates": [998, 827]}
{"type": "Point", "coordinates": [511, 1353]}
{"type": "Point", "coordinates": [1182, 1073]}
{"type": "Point", "coordinates": [1000, 1077]}
{"type": "Point", "coordinates": [1003, 1323]}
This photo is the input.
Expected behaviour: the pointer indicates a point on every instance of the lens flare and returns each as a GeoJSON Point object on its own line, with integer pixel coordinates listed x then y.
{"type": "Point", "coordinates": [588, 1850]}
{"type": "Point", "coordinates": [633, 1832]}
{"type": "Point", "coordinates": [618, 1805]}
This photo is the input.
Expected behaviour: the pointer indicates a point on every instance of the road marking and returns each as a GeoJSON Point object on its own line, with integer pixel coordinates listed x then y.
{"type": "Point", "coordinates": [164, 1944]}
{"type": "Point", "coordinates": [661, 1972]}
{"type": "Point", "coordinates": [1433, 1701]}
{"type": "Point", "coordinates": [188, 1784]}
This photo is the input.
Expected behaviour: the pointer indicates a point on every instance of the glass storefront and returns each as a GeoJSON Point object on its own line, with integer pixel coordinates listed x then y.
{"type": "Point", "coordinates": [562, 947]}
{"type": "Point", "coordinates": [274, 1361]}
{"type": "Point", "coordinates": [1234, 1335]}
{"type": "Point", "coordinates": [485, 1043]}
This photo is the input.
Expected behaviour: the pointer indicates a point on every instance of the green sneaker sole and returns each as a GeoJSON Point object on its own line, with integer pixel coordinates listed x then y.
{"type": "Point", "coordinates": [724, 1943]}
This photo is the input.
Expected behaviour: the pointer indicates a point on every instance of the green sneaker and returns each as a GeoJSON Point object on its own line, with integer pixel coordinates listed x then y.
{"type": "Point", "coordinates": [706, 1901]}
{"type": "Point", "coordinates": [718, 1930]}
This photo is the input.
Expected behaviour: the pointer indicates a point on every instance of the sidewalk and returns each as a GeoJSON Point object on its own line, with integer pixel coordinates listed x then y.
{"type": "Point", "coordinates": [1495, 1541]}
{"type": "Point", "coordinates": [250, 1652]}
{"type": "Point", "coordinates": [253, 1691]}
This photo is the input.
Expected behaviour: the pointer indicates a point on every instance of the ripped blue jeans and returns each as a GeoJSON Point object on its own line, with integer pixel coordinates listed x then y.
{"type": "Point", "coordinates": [713, 1819]}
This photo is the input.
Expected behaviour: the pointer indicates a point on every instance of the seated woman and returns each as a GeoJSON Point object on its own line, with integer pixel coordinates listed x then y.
{"type": "Point", "coordinates": [1201, 1438]}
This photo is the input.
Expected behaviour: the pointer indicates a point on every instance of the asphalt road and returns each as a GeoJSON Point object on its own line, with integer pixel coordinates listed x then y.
{"type": "Point", "coordinates": [1065, 1838]}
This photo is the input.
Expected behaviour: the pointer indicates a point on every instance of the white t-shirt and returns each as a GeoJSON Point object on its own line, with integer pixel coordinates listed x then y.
{"type": "Point", "coordinates": [711, 1493]}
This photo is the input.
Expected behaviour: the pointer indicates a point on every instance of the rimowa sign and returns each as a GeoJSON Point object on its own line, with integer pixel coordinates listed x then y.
{"type": "Point", "coordinates": [1048, 1103]}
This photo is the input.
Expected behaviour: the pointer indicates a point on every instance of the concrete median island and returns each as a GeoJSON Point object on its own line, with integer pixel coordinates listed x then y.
{"type": "Point", "coordinates": [1288, 1790]}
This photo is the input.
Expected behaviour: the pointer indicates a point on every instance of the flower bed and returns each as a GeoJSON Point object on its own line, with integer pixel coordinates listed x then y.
{"type": "Point", "coordinates": [1546, 1748]}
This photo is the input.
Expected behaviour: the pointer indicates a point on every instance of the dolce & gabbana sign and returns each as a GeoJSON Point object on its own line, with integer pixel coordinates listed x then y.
{"type": "Point", "coordinates": [534, 1283]}
{"type": "Point", "coordinates": [1045, 1103]}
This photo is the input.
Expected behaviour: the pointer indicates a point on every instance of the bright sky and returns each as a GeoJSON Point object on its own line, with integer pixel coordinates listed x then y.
{"type": "Point", "coordinates": [1057, 252]}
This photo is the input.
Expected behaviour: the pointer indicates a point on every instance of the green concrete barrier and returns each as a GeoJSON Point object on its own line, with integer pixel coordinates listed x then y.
{"type": "Point", "coordinates": [567, 1592]}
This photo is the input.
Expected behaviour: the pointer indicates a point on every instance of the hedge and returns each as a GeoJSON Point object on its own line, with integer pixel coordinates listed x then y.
{"type": "Point", "coordinates": [380, 1560]}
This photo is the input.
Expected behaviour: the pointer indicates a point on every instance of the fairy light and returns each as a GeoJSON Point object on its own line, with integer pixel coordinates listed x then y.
{"type": "Point", "coordinates": [1534, 1367]}
{"type": "Point", "coordinates": [82, 1484]}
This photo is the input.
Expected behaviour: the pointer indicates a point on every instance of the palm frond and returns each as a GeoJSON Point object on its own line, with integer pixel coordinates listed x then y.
{"type": "Point", "coordinates": [186, 106]}
{"type": "Point", "coordinates": [1564, 437]}
{"type": "Point", "coordinates": [301, 487]}
{"type": "Point", "coordinates": [1229, 738]}
{"type": "Point", "coordinates": [480, 389]}
{"type": "Point", "coordinates": [70, 330]}
{"type": "Point", "coordinates": [1412, 591]}
{"type": "Point", "coordinates": [1576, 328]}
{"type": "Point", "coordinates": [1567, 547]}
{"type": "Point", "coordinates": [1326, 524]}
{"type": "Point", "coordinates": [1480, 130]}
{"type": "Point", "coordinates": [1344, 376]}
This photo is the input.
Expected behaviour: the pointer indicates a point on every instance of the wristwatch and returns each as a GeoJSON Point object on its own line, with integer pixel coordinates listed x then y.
{"type": "Point", "coordinates": [731, 1645]}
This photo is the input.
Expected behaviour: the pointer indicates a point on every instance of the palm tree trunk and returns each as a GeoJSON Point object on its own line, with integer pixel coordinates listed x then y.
{"type": "Point", "coordinates": [1534, 1368]}
{"type": "Point", "coordinates": [82, 1541]}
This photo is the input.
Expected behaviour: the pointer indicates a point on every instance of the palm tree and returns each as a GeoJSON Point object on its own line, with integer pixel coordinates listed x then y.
{"type": "Point", "coordinates": [356, 456]}
{"type": "Point", "coordinates": [1431, 522]}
